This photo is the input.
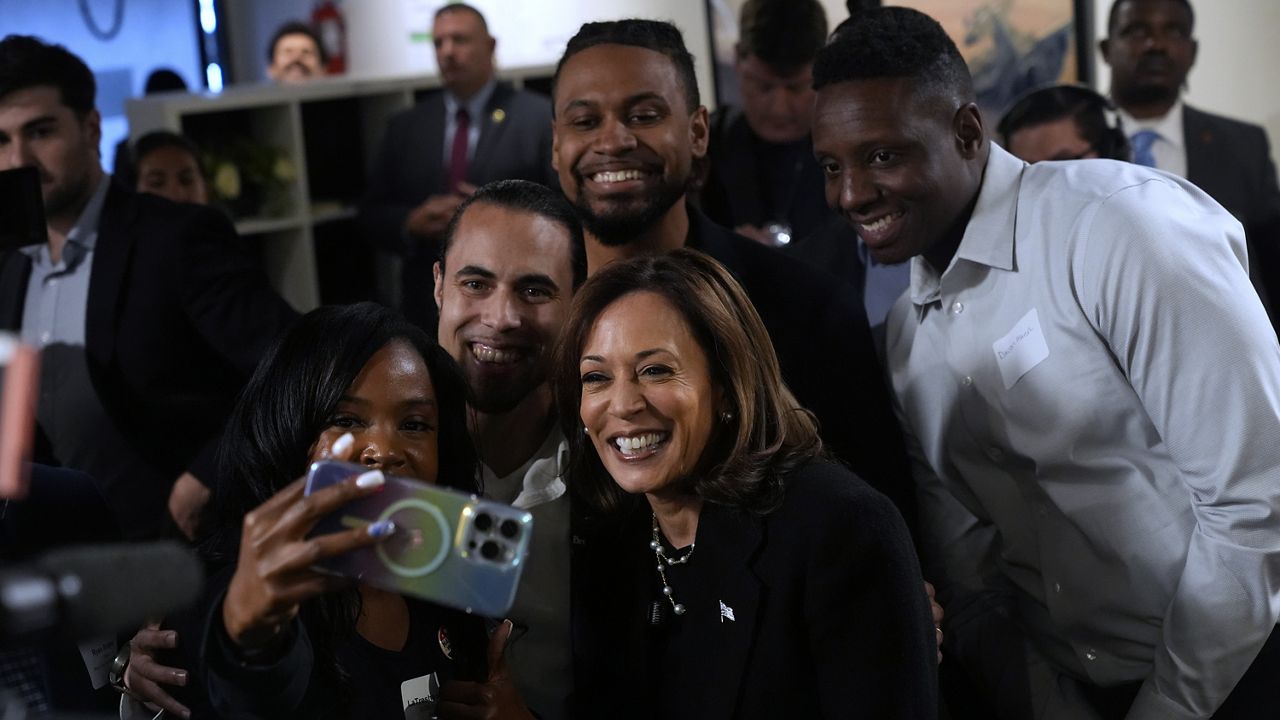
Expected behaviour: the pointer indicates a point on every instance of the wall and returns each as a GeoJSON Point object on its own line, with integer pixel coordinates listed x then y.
{"type": "Point", "coordinates": [153, 34]}
{"type": "Point", "coordinates": [390, 37]}
{"type": "Point", "coordinates": [1237, 44]}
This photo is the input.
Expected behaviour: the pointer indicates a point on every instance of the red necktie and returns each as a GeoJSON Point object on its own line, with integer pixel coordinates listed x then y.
{"type": "Point", "coordinates": [458, 157]}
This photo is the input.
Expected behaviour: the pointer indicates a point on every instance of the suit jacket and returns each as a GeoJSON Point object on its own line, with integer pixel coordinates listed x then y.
{"type": "Point", "coordinates": [515, 143]}
{"type": "Point", "coordinates": [829, 616]}
{"type": "Point", "coordinates": [1231, 160]}
{"type": "Point", "coordinates": [735, 189]}
{"type": "Point", "coordinates": [178, 315]}
{"type": "Point", "coordinates": [819, 331]}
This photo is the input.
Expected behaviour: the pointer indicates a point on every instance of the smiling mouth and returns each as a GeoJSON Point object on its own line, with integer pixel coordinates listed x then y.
{"type": "Point", "coordinates": [642, 445]}
{"type": "Point", "coordinates": [489, 354]}
{"type": "Point", "coordinates": [607, 177]}
{"type": "Point", "coordinates": [876, 230]}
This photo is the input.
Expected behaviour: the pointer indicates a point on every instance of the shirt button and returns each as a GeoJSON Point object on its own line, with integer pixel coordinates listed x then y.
{"type": "Point", "coordinates": [1042, 511]}
{"type": "Point", "coordinates": [44, 337]}
{"type": "Point", "coordinates": [1057, 587]}
{"type": "Point", "coordinates": [1090, 655]}
{"type": "Point", "coordinates": [968, 381]}
{"type": "Point", "coordinates": [957, 308]}
{"type": "Point", "coordinates": [53, 282]}
{"type": "Point", "coordinates": [995, 453]}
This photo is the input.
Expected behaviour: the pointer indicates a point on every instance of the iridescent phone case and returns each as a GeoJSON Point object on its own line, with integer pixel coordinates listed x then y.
{"type": "Point", "coordinates": [449, 547]}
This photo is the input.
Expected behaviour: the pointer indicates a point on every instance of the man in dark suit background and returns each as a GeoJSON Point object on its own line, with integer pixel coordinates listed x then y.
{"type": "Point", "coordinates": [149, 314]}
{"type": "Point", "coordinates": [629, 128]}
{"type": "Point", "coordinates": [473, 131]}
{"type": "Point", "coordinates": [763, 181]}
{"type": "Point", "coordinates": [1150, 48]}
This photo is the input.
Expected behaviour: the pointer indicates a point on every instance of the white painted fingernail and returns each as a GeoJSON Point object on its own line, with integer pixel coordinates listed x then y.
{"type": "Point", "coordinates": [370, 479]}
{"type": "Point", "coordinates": [342, 446]}
{"type": "Point", "coordinates": [382, 529]}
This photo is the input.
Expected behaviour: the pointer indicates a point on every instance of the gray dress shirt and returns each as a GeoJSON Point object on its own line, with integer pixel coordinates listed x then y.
{"type": "Point", "coordinates": [1093, 394]}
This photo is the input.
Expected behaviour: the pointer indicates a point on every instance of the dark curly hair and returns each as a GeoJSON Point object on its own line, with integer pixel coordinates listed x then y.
{"type": "Point", "coordinates": [655, 35]}
{"type": "Point", "coordinates": [27, 62]}
{"type": "Point", "coordinates": [282, 411]}
{"type": "Point", "coordinates": [894, 42]}
{"type": "Point", "coordinates": [786, 52]}
{"type": "Point", "coordinates": [768, 434]}
{"type": "Point", "coordinates": [1115, 11]}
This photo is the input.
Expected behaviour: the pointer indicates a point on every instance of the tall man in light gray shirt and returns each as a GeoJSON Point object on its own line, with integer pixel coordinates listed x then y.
{"type": "Point", "coordinates": [1091, 388]}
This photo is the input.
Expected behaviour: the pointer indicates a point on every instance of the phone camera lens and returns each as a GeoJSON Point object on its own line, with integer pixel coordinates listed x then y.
{"type": "Point", "coordinates": [490, 550]}
{"type": "Point", "coordinates": [509, 528]}
{"type": "Point", "coordinates": [484, 522]}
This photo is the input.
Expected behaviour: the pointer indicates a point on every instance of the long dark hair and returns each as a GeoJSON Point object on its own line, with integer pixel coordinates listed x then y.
{"type": "Point", "coordinates": [767, 432]}
{"type": "Point", "coordinates": [287, 404]}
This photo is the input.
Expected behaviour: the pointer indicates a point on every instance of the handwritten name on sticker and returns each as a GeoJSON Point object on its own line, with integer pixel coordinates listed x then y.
{"type": "Point", "coordinates": [1021, 349]}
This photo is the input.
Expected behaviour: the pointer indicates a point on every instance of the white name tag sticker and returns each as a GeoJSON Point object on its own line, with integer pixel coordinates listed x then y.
{"type": "Point", "coordinates": [1021, 349]}
{"type": "Point", "coordinates": [419, 697]}
{"type": "Point", "coordinates": [98, 655]}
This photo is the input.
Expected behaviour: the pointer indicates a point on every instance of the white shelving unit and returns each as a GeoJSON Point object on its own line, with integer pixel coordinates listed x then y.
{"type": "Point", "coordinates": [327, 120]}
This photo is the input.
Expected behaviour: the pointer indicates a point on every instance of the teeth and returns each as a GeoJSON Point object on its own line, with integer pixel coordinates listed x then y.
{"type": "Point", "coordinates": [882, 223]}
{"type": "Point", "coordinates": [484, 353]}
{"type": "Point", "coordinates": [640, 443]}
{"type": "Point", "coordinates": [617, 176]}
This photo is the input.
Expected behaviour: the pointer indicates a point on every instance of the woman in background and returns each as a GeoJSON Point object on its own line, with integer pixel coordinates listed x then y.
{"type": "Point", "coordinates": [169, 165]}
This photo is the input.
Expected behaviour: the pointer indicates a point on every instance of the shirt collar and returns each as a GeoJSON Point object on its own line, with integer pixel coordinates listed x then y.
{"type": "Point", "coordinates": [474, 106]}
{"type": "Point", "coordinates": [1168, 127]}
{"type": "Point", "coordinates": [85, 232]}
{"type": "Point", "coordinates": [988, 237]}
{"type": "Point", "coordinates": [83, 235]}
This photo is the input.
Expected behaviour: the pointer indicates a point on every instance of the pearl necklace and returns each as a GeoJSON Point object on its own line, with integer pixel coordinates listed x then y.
{"type": "Point", "coordinates": [663, 562]}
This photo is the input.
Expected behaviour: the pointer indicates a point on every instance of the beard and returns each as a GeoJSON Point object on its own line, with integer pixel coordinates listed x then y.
{"type": "Point", "coordinates": [68, 196]}
{"type": "Point", "coordinates": [494, 396]}
{"type": "Point", "coordinates": [622, 225]}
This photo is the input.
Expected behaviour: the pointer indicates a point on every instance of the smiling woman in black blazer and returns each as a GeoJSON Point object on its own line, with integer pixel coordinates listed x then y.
{"type": "Point", "coordinates": [759, 579]}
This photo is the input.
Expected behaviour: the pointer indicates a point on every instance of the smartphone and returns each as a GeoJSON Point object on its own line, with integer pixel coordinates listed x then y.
{"type": "Point", "coordinates": [19, 382]}
{"type": "Point", "coordinates": [449, 547]}
{"type": "Point", "coordinates": [21, 209]}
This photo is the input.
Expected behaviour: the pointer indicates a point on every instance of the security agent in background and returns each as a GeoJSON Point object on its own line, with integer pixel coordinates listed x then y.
{"type": "Point", "coordinates": [1063, 122]}
{"type": "Point", "coordinates": [295, 54]}
{"type": "Point", "coordinates": [150, 314]}
{"type": "Point", "coordinates": [1151, 48]}
{"type": "Point", "coordinates": [473, 131]}
{"type": "Point", "coordinates": [762, 179]}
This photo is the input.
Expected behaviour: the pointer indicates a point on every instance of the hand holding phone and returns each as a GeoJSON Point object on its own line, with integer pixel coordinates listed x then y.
{"type": "Point", "coordinates": [274, 572]}
{"type": "Point", "coordinates": [448, 547]}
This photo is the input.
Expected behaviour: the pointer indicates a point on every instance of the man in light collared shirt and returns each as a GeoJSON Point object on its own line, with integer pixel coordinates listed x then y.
{"type": "Point", "coordinates": [1091, 390]}
{"type": "Point", "coordinates": [148, 313]}
{"type": "Point", "coordinates": [1151, 49]}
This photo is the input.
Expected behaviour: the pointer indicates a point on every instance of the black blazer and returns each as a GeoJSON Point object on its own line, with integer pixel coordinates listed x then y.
{"type": "Point", "coordinates": [734, 190]}
{"type": "Point", "coordinates": [515, 143]}
{"type": "Point", "coordinates": [178, 315]}
{"type": "Point", "coordinates": [409, 166]}
{"type": "Point", "coordinates": [830, 618]}
{"type": "Point", "coordinates": [819, 331]}
{"type": "Point", "coordinates": [1231, 160]}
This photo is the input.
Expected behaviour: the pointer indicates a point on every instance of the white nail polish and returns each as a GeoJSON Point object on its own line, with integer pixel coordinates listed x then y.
{"type": "Point", "coordinates": [370, 479]}
{"type": "Point", "coordinates": [342, 446]}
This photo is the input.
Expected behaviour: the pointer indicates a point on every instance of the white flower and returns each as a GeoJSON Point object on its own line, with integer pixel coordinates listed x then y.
{"type": "Point", "coordinates": [226, 181]}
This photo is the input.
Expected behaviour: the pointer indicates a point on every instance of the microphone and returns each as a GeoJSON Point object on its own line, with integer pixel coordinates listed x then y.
{"type": "Point", "coordinates": [95, 590]}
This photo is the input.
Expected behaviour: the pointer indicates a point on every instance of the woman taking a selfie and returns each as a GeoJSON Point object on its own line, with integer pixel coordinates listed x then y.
{"type": "Point", "coordinates": [280, 639]}
{"type": "Point", "coordinates": [734, 571]}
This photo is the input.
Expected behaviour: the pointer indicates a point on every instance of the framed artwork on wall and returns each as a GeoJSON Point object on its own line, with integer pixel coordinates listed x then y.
{"type": "Point", "coordinates": [1013, 46]}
